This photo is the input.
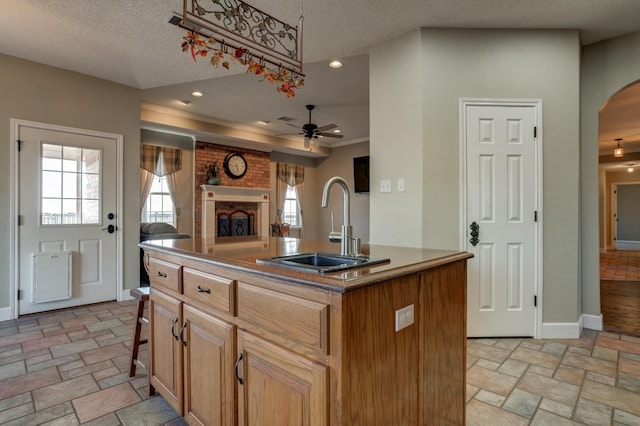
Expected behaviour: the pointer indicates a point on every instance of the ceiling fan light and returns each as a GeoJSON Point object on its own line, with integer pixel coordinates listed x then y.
{"type": "Point", "coordinates": [307, 143]}
{"type": "Point", "coordinates": [618, 151]}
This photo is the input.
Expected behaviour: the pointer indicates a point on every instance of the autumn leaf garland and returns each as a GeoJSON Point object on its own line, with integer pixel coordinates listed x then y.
{"type": "Point", "coordinates": [199, 47]}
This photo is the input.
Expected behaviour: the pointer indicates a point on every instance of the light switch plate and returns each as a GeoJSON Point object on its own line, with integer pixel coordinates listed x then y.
{"type": "Point", "coordinates": [404, 317]}
{"type": "Point", "coordinates": [400, 184]}
{"type": "Point", "coordinates": [385, 185]}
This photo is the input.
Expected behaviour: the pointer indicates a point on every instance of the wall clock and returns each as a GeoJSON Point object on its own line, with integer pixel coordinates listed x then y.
{"type": "Point", "coordinates": [235, 165]}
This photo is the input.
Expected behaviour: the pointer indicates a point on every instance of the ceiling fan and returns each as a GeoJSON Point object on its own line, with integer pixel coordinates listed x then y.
{"type": "Point", "coordinates": [312, 132]}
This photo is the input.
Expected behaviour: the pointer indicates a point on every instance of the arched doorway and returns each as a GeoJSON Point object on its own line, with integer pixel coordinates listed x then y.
{"type": "Point", "coordinates": [619, 126]}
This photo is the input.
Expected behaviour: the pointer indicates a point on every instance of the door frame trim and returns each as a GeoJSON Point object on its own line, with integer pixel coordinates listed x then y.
{"type": "Point", "coordinates": [14, 201]}
{"type": "Point", "coordinates": [538, 170]}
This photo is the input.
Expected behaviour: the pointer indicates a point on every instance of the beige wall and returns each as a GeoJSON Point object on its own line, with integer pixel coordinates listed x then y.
{"type": "Point", "coordinates": [415, 133]}
{"type": "Point", "coordinates": [606, 68]}
{"type": "Point", "coordinates": [41, 93]}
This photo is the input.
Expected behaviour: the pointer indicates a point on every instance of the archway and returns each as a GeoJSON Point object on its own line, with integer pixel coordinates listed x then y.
{"type": "Point", "coordinates": [619, 125]}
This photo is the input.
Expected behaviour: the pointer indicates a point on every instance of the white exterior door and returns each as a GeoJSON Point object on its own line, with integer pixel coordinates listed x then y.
{"type": "Point", "coordinates": [67, 230]}
{"type": "Point", "coordinates": [501, 201]}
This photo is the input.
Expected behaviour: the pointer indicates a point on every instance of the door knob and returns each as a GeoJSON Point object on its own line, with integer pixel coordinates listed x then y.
{"type": "Point", "coordinates": [110, 229]}
{"type": "Point", "coordinates": [475, 231]}
{"type": "Point", "coordinates": [110, 216]}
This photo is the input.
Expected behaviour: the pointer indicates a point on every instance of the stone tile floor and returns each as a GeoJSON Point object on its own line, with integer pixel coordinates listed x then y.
{"type": "Point", "coordinates": [71, 367]}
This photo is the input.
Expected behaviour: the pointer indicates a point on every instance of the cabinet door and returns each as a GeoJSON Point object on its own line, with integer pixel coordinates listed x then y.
{"type": "Point", "coordinates": [279, 387]}
{"type": "Point", "coordinates": [165, 366]}
{"type": "Point", "coordinates": [209, 354]}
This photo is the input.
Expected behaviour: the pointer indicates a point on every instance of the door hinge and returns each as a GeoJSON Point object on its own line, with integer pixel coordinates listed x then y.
{"type": "Point", "coordinates": [535, 131]}
{"type": "Point", "coordinates": [535, 301]}
{"type": "Point", "coordinates": [19, 142]}
{"type": "Point", "coordinates": [19, 294]}
{"type": "Point", "coordinates": [20, 221]}
{"type": "Point", "coordinates": [535, 216]}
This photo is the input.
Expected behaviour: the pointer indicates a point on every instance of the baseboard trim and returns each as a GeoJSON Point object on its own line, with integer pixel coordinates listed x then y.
{"type": "Point", "coordinates": [592, 322]}
{"type": "Point", "coordinates": [561, 330]}
{"type": "Point", "coordinates": [5, 314]}
{"type": "Point", "coordinates": [627, 245]}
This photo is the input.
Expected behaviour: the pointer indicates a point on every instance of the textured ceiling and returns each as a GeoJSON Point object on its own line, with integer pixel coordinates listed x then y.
{"type": "Point", "coordinates": [131, 42]}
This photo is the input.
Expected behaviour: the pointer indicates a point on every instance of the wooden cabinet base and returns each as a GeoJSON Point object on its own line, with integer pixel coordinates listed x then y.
{"type": "Point", "coordinates": [263, 351]}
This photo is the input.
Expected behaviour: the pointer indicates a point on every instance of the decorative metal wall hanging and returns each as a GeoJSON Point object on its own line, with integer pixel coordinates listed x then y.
{"type": "Point", "coordinates": [233, 29]}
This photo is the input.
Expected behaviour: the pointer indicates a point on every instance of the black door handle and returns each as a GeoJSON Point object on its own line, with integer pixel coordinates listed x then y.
{"type": "Point", "coordinates": [110, 229]}
{"type": "Point", "coordinates": [475, 231]}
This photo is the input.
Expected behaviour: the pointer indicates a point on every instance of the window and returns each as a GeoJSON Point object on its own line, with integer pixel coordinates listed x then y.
{"type": "Point", "coordinates": [159, 207]}
{"type": "Point", "coordinates": [70, 182]}
{"type": "Point", "coordinates": [291, 208]}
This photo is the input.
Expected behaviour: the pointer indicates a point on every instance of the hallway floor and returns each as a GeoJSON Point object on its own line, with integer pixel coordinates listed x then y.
{"type": "Point", "coordinates": [620, 265]}
{"type": "Point", "coordinates": [71, 367]}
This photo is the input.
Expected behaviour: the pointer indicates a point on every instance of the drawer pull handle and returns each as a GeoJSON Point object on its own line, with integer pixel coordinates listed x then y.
{"type": "Point", "coordinates": [162, 274]}
{"type": "Point", "coordinates": [202, 290]}
{"type": "Point", "coordinates": [237, 364]}
{"type": "Point", "coordinates": [184, 325]}
{"type": "Point", "coordinates": [173, 325]}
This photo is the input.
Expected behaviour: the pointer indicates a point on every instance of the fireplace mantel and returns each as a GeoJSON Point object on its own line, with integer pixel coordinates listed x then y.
{"type": "Point", "coordinates": [217, 193]}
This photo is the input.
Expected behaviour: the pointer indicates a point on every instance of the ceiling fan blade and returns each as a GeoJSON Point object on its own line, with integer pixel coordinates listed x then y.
{"type": "Point", "coordinates": [331, 135]}
{"type": "Point", "coordinates": [325, 128]}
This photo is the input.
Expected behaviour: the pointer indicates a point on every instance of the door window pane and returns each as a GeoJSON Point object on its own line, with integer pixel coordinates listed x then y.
{"type": "Point", "coordinates": [70, 185]}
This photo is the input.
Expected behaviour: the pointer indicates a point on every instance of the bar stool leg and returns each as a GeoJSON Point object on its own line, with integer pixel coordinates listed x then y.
{"type": "Point", "coordinates": [136, 339]}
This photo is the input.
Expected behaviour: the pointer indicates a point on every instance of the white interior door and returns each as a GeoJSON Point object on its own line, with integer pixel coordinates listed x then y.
{"type": "Point", "coordinates": [501, 201]}
{"type": "Point", "coordinates": [67, 233]}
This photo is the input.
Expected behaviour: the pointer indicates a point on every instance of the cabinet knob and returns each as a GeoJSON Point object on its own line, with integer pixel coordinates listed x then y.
{"type": "Point", "coordinates": [237, 365]}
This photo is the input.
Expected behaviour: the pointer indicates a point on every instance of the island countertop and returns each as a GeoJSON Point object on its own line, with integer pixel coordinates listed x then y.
{"type": "Point", "coordinates": [240, 253]}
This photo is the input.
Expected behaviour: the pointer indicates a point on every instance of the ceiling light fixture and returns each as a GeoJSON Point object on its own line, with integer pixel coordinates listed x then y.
{"type": "Point", "coordinates": [618, 151]}
{"type": "Point", "coordinates": [185, 102]}
{"type": "Point", "coordinates": [237, 31]}
{"type": "Point", "coordinates": [630, 168]}
{"type": "Point", "coordinates": [264, 122]}
{"type": "Point", "coordinates": [337, 131]}
{"type": "Point", "coordinates": [197, 94]}
{"type": "Point", "coordinates": [335, 64]}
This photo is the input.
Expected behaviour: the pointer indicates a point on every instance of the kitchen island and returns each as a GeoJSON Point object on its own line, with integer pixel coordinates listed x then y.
{"type": "Point", "coordinates": [238, 342]}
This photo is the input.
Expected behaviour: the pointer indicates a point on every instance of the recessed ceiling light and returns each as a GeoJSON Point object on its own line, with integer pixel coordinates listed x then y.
{"type": "Point", "coordinates": [335, 64]}
{"type": "Point", "coordinates": [337, 131]}
{"type": "Point", "coordinates": [197, 94]}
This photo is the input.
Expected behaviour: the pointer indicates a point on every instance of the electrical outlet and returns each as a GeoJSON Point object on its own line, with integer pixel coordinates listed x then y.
{"type": "Point", "coordinates": [404, 317]}
{"type": "Point", "coordinates": [385, 185]}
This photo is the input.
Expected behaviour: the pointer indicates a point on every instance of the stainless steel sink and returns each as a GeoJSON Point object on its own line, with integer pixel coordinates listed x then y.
{"type": "Point", "coordinates": [320, 262]}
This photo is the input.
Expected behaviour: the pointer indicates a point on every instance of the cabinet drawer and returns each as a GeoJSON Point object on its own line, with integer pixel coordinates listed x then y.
{"type": "Point", "coordinates": [211, 290]}
{"type": "Point", "coordinates": [166, 275]}
{"type": "Point", "coordinates": [300, 320]}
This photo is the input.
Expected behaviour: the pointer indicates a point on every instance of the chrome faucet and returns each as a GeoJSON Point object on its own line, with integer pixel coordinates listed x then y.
{"type": "Point", "coordinates": [349, 245]}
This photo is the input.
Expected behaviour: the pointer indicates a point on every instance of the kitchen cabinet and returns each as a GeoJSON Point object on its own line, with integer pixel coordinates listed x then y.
{"type": "Point", "coordinates": [208, 359]}
{"type": "Point", "coordinates": [278, 386]}
{"type": "Point", "coordinates": [192, 351]}
{"type": "Point", "coordinates": [246, 344]}
{"type": "Point", "coordinates": [165, 363]}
